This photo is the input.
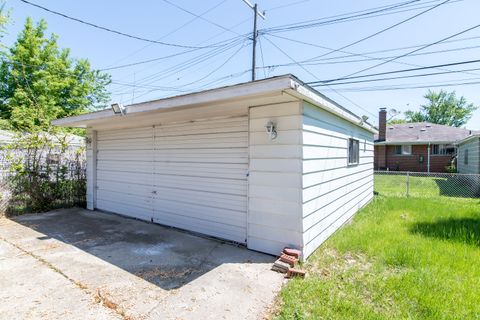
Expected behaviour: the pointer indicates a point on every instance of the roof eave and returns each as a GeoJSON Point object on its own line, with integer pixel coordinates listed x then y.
{"type": "Point", "coordinates": [287, 83]}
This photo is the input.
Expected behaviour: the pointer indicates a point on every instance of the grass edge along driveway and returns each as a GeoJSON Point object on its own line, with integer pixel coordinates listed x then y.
{"type": "Point", "coordinates": [400, 258]}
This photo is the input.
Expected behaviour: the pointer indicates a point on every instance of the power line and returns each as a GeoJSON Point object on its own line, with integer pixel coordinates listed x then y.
{"type": "Point", "coordinates": [287, 5]}
{"type": "Point", "coordinates": [395, 78]}
{"type": "Point", "coordinates": [408, 53]}
{"type": "Point", "coordinates": [171, 32]}
{"type": "Point", "coordinates": [188, 63]}
{"type": "Point", "coordinates": [399, 71]}
{"type": "Point", "coordinates": [204, 41]}
{"type": "Point", "coordinates": [364, 54]}
{"type": "Point", "coordinates": [218, 44]}
{"type": "Point", "coordinates": [382, 31]}
{"type": "Point", "coordinates": [339, 17]}
{"type": "Point", "coordinates": [406, 87]}
{"type": "Point", "coordinates": [110, 29]}
{"type": "Point", "coordinates": [352, 16]}
{"type": "Point", "coordinates": [340, 94]}
{"type": "Point", "coordinates": [199, 16]}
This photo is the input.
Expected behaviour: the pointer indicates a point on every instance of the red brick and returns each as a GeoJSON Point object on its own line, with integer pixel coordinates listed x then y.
{"type": "Point", "coordinates": [293, 252]}
{"type": "Point", "coordinates": [295, 273]}
{"type": "Point", "coordinates": [385, 158]}
{"type": "Point", "coordinates": [288, 259]}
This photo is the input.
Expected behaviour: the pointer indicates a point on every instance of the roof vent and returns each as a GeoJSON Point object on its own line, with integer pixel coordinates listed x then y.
{"type": "Point", "coordinates": [391, 128]}
{"type": "Point", "coordinates": [428, 125]}
{"type": "Point", "coordinates": [423, 129]}
{"type": "Point", "coordinates": [410, 126]}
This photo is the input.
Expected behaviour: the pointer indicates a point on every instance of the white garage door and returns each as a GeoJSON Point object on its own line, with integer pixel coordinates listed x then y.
{"type": "Point", "coordinates": [190, 175]}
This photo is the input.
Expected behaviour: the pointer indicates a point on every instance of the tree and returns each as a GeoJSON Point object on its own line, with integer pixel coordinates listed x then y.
{"type": "Point", "coordinates": [443, 108]}
{"type": "Point", "coordinates": [40, 82]}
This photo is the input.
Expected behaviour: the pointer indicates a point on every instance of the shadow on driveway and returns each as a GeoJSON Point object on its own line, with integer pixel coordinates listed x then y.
{"type": "Point", "coordinates": [164, 256]}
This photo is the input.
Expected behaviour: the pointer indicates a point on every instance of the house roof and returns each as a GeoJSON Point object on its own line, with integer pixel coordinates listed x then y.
{"type": "Point", "coordinates": [422, 133]}
{"type": "Point", "coordinates": [287, 86]}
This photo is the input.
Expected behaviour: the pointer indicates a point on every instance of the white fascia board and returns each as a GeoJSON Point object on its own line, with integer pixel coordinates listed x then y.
{"type": "Point", "coordinates": [234, 92]}
{"type": "Point", "coordinates": [469, 138]}
{"type": "Point", "coordinates": [305, 93]}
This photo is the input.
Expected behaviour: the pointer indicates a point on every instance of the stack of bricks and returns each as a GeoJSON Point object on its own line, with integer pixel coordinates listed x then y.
{"type": "Point", "coordinates": [287, 261]}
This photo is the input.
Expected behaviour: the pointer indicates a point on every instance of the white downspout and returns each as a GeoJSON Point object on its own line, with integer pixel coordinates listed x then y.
{"type": "Point", "coordinates": [428, 158]}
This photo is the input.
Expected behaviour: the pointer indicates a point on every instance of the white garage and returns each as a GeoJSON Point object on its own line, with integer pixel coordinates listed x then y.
{"type": "Point", "coordinates": [267, 164]}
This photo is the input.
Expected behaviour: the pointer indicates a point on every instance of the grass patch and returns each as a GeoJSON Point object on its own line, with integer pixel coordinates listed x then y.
{"type": "Point", "coordinates": [401, 258]}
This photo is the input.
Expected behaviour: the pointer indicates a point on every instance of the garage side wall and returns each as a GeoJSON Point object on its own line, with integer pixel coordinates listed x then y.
{"type": "Point", "coordinates": [332, 190]}
{"type": "Point", "coordinates": [274, 217]}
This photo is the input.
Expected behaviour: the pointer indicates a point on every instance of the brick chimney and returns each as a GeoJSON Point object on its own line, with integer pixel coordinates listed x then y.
{"type": "Point", "coordinates": [382, 124]}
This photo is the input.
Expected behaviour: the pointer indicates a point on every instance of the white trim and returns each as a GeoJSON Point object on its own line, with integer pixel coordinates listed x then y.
{"type": "Point", "coordinates": [473, 136]}
{"type": "Point", "coordinates": [286, 83]}
{"type": "Point", "coordinates": [316, 98]}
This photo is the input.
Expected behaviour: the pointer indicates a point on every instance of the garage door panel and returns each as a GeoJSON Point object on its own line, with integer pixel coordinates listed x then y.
{"type": "Point", "coordinates": [126, 209]}
{"type": "Point", "coordinates": [125, 177]}
{"type": "Point", "coordinates": [127, 188]}
{"type": "Point", "coordinates": [129, 144]}
{"type": "Point", "coordinates": [124, 155]}
{"type": "Point", "coordinates": [124, 134]}
{"type": "Point", "coordinates": [125, 166]}
{"type": "Point", "coordinates": [190, 175]}
{"type": "Point", "coordinates": [212, 228]}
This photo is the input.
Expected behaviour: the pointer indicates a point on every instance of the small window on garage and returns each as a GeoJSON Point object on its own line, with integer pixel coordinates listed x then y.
{"type": "Point", "coordinates": [353, 151]}
{"type": "Point", "coordinates": [465, 157]}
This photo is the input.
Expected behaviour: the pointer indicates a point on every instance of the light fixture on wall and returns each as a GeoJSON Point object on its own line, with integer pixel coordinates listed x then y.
{"type": "Point", "coordinates": [271, 128]}
{"type": "Point", "coordinates": [118, 108]}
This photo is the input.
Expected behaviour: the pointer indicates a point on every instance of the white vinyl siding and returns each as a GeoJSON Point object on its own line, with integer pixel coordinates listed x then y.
{"type": "Point", "coordinates": [332, 190]}
{"type": "Point", "coordinates": [275, 178]}
{"type": "Point", "coordinates": [190, 175]}
{"type": "Point", "coordinates": [473, 163]}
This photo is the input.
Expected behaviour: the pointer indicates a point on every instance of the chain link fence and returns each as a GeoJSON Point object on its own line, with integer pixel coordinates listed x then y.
{"type": "Point", "coordinates": [48, 193]}
{"type": "Point", "coordinates": [427, 185]}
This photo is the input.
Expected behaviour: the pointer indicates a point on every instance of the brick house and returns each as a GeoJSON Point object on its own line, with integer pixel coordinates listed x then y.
{"type": "Point", "coordinates": [417, 147]}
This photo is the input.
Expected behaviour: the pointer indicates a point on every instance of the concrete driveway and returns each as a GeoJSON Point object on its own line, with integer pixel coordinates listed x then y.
{"type": "Point", "coordinates": [78, 264]}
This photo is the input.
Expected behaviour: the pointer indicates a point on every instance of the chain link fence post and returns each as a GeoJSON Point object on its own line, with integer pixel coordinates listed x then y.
{"type": "Point", "coordinates": [408, 183]}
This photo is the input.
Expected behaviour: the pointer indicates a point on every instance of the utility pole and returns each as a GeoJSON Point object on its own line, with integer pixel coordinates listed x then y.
{"type": "Point", "coordinates": [255, 34]}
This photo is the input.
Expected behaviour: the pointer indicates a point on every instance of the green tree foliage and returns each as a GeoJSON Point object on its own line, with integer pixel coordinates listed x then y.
{"type": "Point", "coordinates": [40, 82]}
{"type": "Point", "coordinates": [443, 108]}
{"type": "Point", "coordinates": [397, 121]}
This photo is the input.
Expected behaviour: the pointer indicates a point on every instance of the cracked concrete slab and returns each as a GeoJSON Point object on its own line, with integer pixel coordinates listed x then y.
{"type": "Point", "coordinates": [120, 267]}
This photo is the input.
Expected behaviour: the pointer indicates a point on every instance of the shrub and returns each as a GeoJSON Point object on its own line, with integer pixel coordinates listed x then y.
{"type": "Point", "coordinates": [43, 172]}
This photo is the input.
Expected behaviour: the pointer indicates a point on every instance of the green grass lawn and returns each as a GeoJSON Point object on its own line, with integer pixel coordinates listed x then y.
{"type": "Point", "coordinates": [400, 258]}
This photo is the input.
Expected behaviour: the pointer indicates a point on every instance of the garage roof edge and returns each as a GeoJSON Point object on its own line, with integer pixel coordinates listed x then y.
{"type": "Point", "coordinates": [285, 83]}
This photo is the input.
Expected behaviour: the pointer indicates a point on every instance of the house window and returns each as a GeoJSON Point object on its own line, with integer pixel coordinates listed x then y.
{"type": "Point", "coordinates": [353, 151]}
{"type": "Point", "coordinates": [443, 149]}
{"type": "Point", "coordinates": [403, 150]}
{"type": "Point", "coordinates": [465, 157]}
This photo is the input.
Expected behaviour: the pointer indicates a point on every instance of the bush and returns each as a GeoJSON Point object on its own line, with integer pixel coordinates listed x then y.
{"type": "Point", "coordinates": [44, 172]}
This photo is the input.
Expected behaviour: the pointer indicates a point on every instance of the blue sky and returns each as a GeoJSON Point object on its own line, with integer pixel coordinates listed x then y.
{"type": "Point", "coordinates": [225, 25]}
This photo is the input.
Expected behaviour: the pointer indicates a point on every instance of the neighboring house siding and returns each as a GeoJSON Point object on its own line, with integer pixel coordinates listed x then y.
{"type": "Point", "coordinates": [387, 159]}
{"type": "Point", "coordinates": [332, 191]}
{"type": "Point", "coordinates": [473, 147]}
{"type": "Point", "coordinates": [275, 178]}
